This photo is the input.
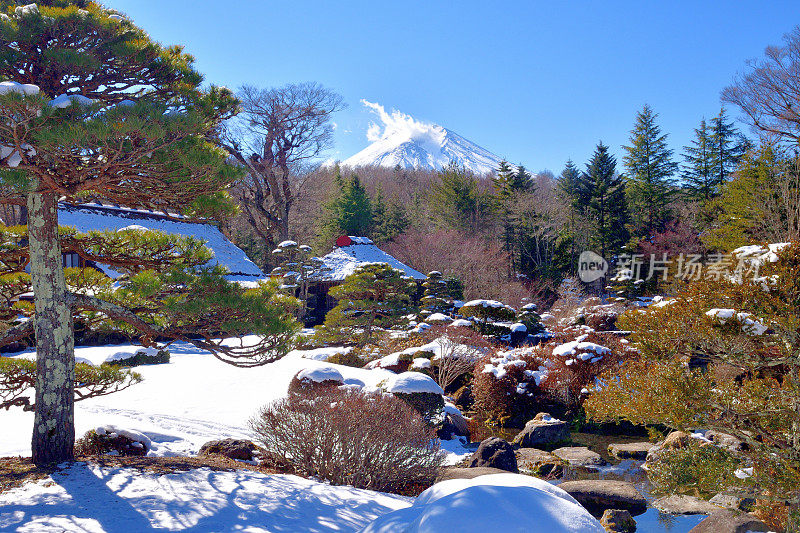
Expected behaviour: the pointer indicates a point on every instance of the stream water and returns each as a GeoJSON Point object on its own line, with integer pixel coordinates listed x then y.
{"type": "Point", "coordinates": [651, 521]}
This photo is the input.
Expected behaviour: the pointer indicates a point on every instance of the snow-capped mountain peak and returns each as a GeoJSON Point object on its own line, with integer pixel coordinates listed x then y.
{"type": "Point", "coordinates": [402, 140]}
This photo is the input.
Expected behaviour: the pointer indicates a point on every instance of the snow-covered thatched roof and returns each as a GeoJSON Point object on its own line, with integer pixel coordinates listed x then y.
{"type": "Point", "coordinates": [88, 217]}
{"type": "Point", "coordinates": [352, 252]}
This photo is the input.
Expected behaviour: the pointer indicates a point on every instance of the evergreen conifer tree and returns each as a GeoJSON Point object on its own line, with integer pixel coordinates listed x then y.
{"type": "Point", "coordinates": [456, 200]}
{"type": "Point", "coordinates": [434, 299]}
{"type": "Point", "coordinates": [698, 174]}
{"type": "Point", "coordinates": [604, 192]}
{"type": "Point", "coordinates": [728, 146]}
{"type": "Point", "coordinates": [349, 212]}
{"type": "Point", "coordinates": [92, 109]}
{"type": "Point", "coordinates": [650, 169]}
{"type": "Point", "coordinates": [375, 295]}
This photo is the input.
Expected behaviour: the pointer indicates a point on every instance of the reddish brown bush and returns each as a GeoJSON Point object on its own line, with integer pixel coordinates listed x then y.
{"type": "Point", "coordinates": [499, 394]}
{"type": "Point", "coordinates": [346, 437]}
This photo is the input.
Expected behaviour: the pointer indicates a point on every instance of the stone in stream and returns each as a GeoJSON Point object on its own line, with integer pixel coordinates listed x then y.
{"type": "Point", "coordinates": [630, 450]}
{"type": "Point", "coordinates": [579, 456]}
{"type": "Point", "coordinates": [541, 431]}
{"type": "Point", "coordinates": [597, 495]}
{"type": "Point", "coordinates": [729, 501]}
{"type": "Point", "coordinates": [454, 472]}
{"type": "Point", "coordinates": [618, 521]}
{"type": "Point", "coordinates": [495, 453]}
{"type": "Point", "coordinates": [683, 504]}
{"type": "Point", "coordinates": [728, 521]}
{"type": "Point", "coordinates": [540, 462]}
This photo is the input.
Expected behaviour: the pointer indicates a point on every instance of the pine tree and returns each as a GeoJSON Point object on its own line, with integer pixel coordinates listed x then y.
{"type": "Point", "coordinates": [698, 174]}
{"type": "Point", "coordinates": [604, 191]}
{"type": "Point", "coordinates": [296, 266]}
{"type": "Point", "coordinates": [435, 297]}
{"type": "Point", "coordinates": [728, 146]}
{"type": "Point", "coordinates": [374, 295]}
{"type": "Point", "coordinates": [95, 110]}
{"type": "Point", "coordinates": [650, 168]}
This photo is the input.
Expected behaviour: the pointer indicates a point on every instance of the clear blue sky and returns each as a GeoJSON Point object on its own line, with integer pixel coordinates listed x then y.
{"type": "Point", "coordinates": [535, 82]}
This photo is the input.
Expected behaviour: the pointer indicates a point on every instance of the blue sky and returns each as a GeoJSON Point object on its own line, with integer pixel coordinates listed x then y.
{"type": "Point", "coordinates": [535, 82]}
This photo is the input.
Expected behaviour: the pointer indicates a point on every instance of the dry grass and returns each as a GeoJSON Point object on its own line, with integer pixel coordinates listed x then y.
{"type": "Point", "coordinates": [16, 471]}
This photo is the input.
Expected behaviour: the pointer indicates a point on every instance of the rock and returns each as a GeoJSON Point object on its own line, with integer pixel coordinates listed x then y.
{"type": "Point", "coordinates": [454, 472]}
{"type": "Point", "coordinates": [579, 456]}
{"type": "Point", "coordinates": [541, 431]}
{"type": "Point", "coordinates": [539, 462]}
{"type": "Point", "coordinates": [496, 453]}
{"type": "Point", "coordinates": [618, 521]}
{"type": "Point", "coordinates": [682, 504]}
{"type": "Point", "coordinates": [729, 442]}
{"type": "Point", "coordinates": [597, 495]}
{"type": "Point", "coordinates": [730, 501]}
{"type": "Point", "coordinates": [463, 397]}
{"type": "Point", "coordinates": [728, 521]}
{"type": "Point", "coordinates": [454, 425]}
{"type": "Point", "coordinates": [676, 440]}
{"type": "Point", "coordinates": [240, 449]}
{"type": "Point", "coordinates": [630, 450]}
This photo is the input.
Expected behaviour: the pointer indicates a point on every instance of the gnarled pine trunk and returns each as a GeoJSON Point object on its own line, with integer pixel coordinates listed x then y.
{"type": "Point", "coordinates": [54, 425]}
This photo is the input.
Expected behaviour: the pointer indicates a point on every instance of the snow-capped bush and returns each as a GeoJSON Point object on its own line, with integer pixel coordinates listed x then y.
{"type": "Point", "coordinates": [112, 440]}
{"type": "Point", "coordinates": [347, 437]}
{"type": "Point", "coordinates": [313, 380]}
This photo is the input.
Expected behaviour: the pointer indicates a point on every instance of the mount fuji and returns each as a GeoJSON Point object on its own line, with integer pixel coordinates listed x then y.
{"type": "Point", "coordinates": [402, 140]}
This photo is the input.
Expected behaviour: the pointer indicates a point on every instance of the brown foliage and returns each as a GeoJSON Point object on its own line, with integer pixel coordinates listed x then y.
{"type": "Point", "coordinates": [371, 441]}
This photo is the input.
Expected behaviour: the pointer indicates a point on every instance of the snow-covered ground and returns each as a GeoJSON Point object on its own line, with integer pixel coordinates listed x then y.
{"type": "Point", "coordinates": [84, 498]}
{"type": "Point", "coordinates": [194, 398]}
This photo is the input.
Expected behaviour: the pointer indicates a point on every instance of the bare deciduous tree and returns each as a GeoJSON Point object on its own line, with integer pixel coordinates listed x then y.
{"type": "Point", "coordinates": [277, 134]}
{"type": "Point", "coordinates": [455, 359]}
{"type": "Point", "coordinates": [769, 92]}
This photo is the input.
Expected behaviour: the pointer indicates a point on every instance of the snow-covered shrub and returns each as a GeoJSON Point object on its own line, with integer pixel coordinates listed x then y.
{"type": "Point", "coordinates": [311, 381]}
{"type": "Point", "coordinates": [372, 441]}
{"type": "Point", "coordinates": [145, 356]}
{"type": "Point", "coordinates": [419, 391]}
{"type": "Point", "coordinates": [490, 316]}
{"type": "Point", "coordinates": [500, 385]}
{"type": "Point", "coordinates": [574, 360]}
{"type": "Point", "coordinates": [112, 440]}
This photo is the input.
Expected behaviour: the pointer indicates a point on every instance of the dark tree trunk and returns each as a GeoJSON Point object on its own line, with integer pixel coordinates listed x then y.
{"type": "Point", "coordinates": [54, 424]}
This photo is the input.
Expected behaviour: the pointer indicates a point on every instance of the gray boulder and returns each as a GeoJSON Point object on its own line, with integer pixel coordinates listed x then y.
{"type": "Point", "coordinates": [729, 442]}
{"type": "Point", "coordinates": [539, 462]}
{"type": "Point", "coordinates": [630, 450]}
{"type": "Point", "coordinates": [618, 521]}
{"type": "Point", "coordinates": [683, 504]}
{"type": "Point", "coordinates": [597, 495]}
{"type": "Point", "coordinates": [240, 449]}
{"type": "Point", "coordinates": [495, 453]}
{"type": "Point", "coordinates": [454, 472]}
{"type": "Point", "coordinates": [541, 431]}
{"type": "Point", "coordinates": [728, 521]}
{"type": "Point", "coordinates": [579, 456]}
{"type": "Point", "coordinates": [729, 501]}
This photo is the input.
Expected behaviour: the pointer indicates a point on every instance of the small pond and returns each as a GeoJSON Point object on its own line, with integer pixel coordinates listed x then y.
{"type": "Point", "coordinates": [653, 520]}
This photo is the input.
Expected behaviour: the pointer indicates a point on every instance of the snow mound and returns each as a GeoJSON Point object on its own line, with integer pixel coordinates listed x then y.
{"type": "Point", "coordinates": [25, 89]}
{"type": "Point", "coordinates": [461, 322]}
{"type": "Point", "coordinates": [83, 498]}
{"type": "Point", "coordinates": [320, 374]}
{"type": "Point", "coordinates": [438, 318]}
{"type": "Point", "coordinates": [412, 382]}
{"type": "Point", "coordinates": [496, 502]}
{"type": "Point", "coordinates": [488, 303]}
{"type": "Point", "coordinates": [65, 100]}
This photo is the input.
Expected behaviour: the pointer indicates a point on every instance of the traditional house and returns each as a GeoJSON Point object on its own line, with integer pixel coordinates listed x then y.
{"type": "Point", "coordinates": [99, 217]}
{"type": "Point", "coordinates": [350, 252]}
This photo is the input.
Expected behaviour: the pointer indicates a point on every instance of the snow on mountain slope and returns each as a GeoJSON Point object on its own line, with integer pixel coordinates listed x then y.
{"type": "Point", "coordinates": [402, 140]}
